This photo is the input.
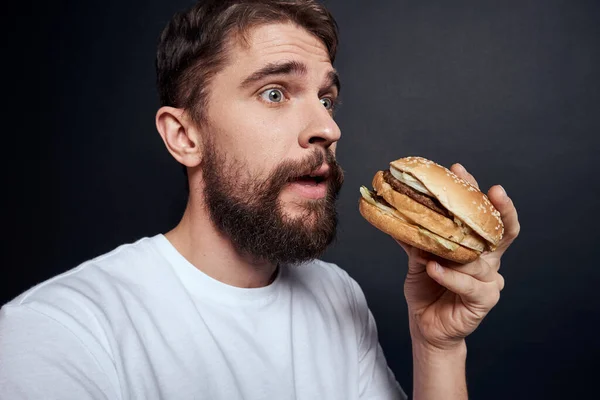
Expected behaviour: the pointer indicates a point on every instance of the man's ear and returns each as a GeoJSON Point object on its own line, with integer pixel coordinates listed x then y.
{"type": "Point", "coordinates": [180, 134]}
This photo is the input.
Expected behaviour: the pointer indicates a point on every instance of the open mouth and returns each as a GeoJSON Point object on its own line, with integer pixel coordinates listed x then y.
{"type": "Point", "coordinates": [312, 184]}
{"type": "Point", "coordinates": [309, 180]}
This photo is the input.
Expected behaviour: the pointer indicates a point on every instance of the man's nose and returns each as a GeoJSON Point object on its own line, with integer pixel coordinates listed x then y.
{"type": "Point", "coordinates": [320, 129]}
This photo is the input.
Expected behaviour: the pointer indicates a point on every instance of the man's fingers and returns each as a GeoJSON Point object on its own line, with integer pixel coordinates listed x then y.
{"type": "Point", "coordinates": [466, 286]}
{"type": "Point", "coordinates": [500, 282]}
{"type": "Point", "coordinates": [480, 269]}
{"type": "Point", "coordinates": [462, 172]}
{"type": "Point", "coordinates": [483, 269]}
{"type": "Point", "coordinates": [416, 254]}
{"type": "Point", "coordinates": [510, 218]}
{"type": "Point", "coordinates": [407, 248]}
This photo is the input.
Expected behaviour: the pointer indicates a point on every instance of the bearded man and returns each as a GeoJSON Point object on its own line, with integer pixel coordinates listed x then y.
{"type": "Point", "coordinates": [233, 302]}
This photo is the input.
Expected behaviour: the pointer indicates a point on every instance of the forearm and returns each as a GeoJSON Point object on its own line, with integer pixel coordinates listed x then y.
{"type": "Point", "coordinates": [438, 373]}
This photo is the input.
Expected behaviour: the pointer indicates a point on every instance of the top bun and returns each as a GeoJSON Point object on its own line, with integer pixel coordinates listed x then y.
{"type": "Point", "coordinates": [461, 198]}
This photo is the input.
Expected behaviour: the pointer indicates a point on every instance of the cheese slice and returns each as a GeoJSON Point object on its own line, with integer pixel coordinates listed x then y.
{"type": "Point", "coordinates": [409, 180]}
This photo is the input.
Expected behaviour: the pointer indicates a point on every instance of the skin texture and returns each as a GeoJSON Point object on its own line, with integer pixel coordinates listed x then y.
{"type": "Point", "coordinates": [445, 305]}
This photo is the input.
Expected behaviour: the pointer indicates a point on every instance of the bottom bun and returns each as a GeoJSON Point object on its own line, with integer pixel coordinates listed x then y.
{"type": "Point", "coordinates": [410, 234]}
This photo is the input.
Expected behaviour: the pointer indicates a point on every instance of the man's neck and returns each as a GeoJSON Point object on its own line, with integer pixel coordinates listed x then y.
{"type": "Point", "coordinates": [196, 238]}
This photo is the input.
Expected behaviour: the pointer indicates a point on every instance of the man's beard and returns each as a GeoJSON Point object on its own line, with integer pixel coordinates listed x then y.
{"type": "Point", "coordinates": [247, 209]}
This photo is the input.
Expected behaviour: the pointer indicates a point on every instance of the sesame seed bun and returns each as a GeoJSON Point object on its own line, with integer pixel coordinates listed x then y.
{"type": "Point", "coordinates": [458, 196]}
{"type": "Point", "coordinates": [410, 234]}
{"type": "Point", "coordinates": [419, 214]}
{"type": "Point", "coordinates": [460, 227]}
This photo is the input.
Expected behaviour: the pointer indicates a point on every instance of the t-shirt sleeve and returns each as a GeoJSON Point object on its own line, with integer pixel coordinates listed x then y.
{"type": "Point", "coordinates": [42, 359]}
{"type": "Point", "coordinates": [376, 379]}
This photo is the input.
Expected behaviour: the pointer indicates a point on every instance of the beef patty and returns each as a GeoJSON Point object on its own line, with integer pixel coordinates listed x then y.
{"type": "Point", "coordinates": [427, 201]}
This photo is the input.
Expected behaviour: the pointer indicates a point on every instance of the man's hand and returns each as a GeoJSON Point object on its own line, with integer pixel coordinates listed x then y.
{"type": "Point", "coordinates": [447, 301]}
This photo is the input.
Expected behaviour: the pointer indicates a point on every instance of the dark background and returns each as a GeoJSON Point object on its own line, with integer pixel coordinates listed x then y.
{"type": "Point", "coordinates": [510, 89]}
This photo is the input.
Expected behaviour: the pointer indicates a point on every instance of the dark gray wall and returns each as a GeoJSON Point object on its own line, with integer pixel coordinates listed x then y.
{"type": "Point", "coordinates": [510, 89]}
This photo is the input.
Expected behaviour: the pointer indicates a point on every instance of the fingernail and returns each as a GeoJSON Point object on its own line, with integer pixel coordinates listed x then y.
{"type": "Point", "coordinates": [460, 167]}
{"type": "Point", "coordinates": [503, 191]}
{"type": "Point", "coordinates": [439, 269]}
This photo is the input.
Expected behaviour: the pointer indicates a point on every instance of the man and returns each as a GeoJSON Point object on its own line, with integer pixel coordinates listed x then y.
{"type": "Point", "coordinates": [233, 302]}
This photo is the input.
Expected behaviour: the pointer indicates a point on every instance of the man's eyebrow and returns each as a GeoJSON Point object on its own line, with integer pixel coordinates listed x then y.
{"type": "Point", "coordinates": [332, 80]}
{"type": "Point", "coordinates": [290, 68]}
{"type": "Point", "coordinates": [276, 68]}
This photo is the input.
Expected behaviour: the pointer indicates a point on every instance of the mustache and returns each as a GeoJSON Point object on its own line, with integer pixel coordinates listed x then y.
{"type": "Point", "coordinates": [291, 169]}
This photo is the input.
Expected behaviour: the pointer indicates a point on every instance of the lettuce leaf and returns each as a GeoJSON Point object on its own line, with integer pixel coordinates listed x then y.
{"type": "Point", "coordinates": [444, 242]}
{"type": "Point", "coordinates": [368, 196]}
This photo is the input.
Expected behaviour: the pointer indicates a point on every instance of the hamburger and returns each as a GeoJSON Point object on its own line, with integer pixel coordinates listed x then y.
{"type": "Point", "coordinates": [423, 204]}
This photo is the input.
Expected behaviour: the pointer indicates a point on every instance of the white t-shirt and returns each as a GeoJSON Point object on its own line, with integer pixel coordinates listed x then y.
{"type": "Point", "coordinates": [141, 322]}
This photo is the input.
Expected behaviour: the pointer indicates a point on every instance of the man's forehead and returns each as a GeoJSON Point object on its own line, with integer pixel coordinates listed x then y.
{"type": "Point", "coordinates": [269, 42]}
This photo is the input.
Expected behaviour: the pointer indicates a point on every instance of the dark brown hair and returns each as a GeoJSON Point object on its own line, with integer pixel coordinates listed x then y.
{"type": "Point", "coordinates": [192, 47]}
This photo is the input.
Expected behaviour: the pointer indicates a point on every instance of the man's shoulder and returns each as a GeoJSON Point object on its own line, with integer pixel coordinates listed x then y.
{"type": "Point", "coordinates": [93, 276]}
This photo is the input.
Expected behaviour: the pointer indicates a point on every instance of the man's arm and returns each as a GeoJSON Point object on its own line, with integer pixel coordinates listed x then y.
{"type": "Point", "coordinates": [42, 359]}
{"type": "Point", "coordinates": [438, 372]}
{"type": "Point", "coordinates": [447, 301]}
{"type": "Point", "coordinates": [376, 381]}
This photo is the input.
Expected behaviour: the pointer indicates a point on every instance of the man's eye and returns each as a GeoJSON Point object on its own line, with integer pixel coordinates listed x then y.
{"type": "Point", "coordinates": [327, 102]}
{"type": "Point", "coordinates": [272, 95]}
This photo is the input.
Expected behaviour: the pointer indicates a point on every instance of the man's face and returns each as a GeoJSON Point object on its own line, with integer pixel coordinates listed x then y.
{"type": "Point", "coordinates": [270, 176]}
